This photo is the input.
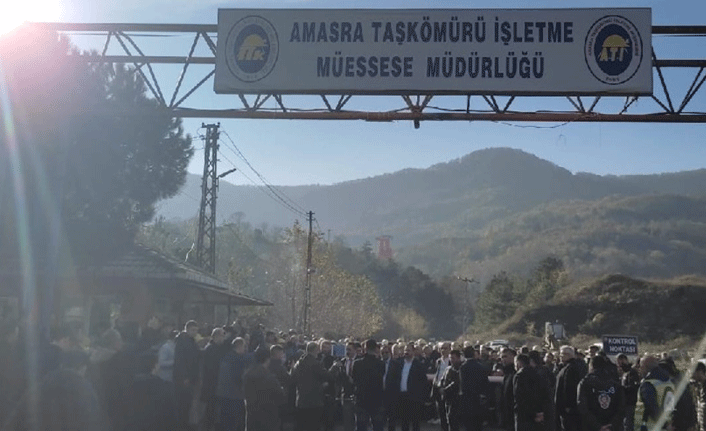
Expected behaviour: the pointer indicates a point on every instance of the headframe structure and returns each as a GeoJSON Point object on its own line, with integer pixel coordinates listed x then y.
{"type": "Point", "coordinates": [135, 44]}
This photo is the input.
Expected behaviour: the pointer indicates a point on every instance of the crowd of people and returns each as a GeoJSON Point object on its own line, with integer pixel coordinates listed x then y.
{"type": "Point", "coordinates": [229, 378]}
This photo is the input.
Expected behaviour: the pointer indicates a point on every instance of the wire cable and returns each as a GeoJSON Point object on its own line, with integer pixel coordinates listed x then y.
{"type": "Point", "coordinates": [265, 190]}
{"type": "Point", "coordinates": [281, 196]}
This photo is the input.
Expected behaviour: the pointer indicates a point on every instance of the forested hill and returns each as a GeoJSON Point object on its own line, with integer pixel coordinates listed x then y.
{"type": "Point", "coordinates": [450, 215]}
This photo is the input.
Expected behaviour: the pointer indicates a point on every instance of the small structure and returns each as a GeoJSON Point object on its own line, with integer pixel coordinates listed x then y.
{"type": "Point", "coordinates": [384, 248]}
{"type": "Point", "coordinates": [136, 286]}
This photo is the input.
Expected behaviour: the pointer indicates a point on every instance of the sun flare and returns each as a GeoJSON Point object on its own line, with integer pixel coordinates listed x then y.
{"type": "Point", "coordinates": [15, 13]}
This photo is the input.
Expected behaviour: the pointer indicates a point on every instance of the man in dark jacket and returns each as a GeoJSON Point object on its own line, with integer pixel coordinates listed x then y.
{"type": "Point", "coordinates": [409, 382]}
{"type": "Point", "coordinates": [601, 399]}
{"type": "Point", "coordinates": [345, 388]}
{"type": "Point", "coordinates": [630, 381]}
{"type": "Point", "coordinates": [473, 379]}
{"type": "Point", "coordinates": [507, 401]}
{"type": "Point", "coordinates": [567, 382]}
{"type": "Point", "coordinates": [391, 391]}
{"type": "Point", "coordinates": [367, 376]}
{"type": "Point", "coordinates": [229, 388]}
{"type": "Point", "coordinates": [186, 371]}
{"type": "Point", "coordinates": [548, 383]}
{"type": "Point", "coordinates": [277, 368]}
{"type": "Point", "coordinates": [449, 389]}
{"type": "Point", "coordinates": [212, 356]}
{"type": "Point", "coordinates": [309, 377]}
{"type": "Point", "coordinates": [151, 403]}
{"type": "Point", "coordinates": [263, 395]}
{"type": "Point", "coordinates": [529, 395]}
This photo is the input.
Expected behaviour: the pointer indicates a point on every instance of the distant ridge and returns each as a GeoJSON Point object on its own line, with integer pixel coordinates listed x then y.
{"type": "Point", "coordinates": [460, 200]}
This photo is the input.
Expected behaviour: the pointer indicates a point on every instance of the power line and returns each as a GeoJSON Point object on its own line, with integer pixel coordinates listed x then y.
{"type": "Point", "coordinates": [286, 200]}
{"type": "Point", "coordinates": [276, 194]}
{"type": "Point", "coordinates": [266, 191]}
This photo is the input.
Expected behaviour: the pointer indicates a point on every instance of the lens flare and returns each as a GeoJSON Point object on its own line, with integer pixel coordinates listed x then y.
{"type": "Point", "coordinates": [15, 13]}
{"type": "Point", "coordinates": [24, 245]}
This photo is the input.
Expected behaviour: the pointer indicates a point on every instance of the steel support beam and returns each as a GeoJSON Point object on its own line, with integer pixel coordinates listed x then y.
{"type": "Point", "coordinates": [121, 45]}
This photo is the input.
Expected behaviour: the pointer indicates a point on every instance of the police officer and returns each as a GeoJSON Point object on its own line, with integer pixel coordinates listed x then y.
{"type": "Point", "coordinates": [601, 398]}
{"type": "Point", "coordinates": [655, 397]}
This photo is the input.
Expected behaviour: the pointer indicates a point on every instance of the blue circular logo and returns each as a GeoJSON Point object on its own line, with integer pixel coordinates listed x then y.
{"type": "Point", "coordinates": [613, 50]}
{"type": "Point", "coordinates": [252, 48]}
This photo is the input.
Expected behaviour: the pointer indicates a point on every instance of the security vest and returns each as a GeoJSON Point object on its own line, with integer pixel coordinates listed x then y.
{"type": "Point", "coordinates": [665, 403]}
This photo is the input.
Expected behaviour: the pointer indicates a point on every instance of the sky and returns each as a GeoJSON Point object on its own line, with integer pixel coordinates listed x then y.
{"type": "Point", "coordinates": [325, 152]}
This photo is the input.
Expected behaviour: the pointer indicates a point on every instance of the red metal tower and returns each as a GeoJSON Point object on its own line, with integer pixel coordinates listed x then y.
{"type": "Point", "coordinates": [384, 249]}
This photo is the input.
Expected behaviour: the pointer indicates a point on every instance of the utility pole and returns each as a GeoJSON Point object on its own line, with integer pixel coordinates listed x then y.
{"type": "Point", "coordinates": [206, 235]}
{"type": "Point", "coordinates": [467, 301]}
{"type": "Point", "coordinates": [309, 270]}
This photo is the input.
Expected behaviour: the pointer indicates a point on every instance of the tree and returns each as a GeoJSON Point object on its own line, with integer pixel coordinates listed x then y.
{"type": "Point", "coordinates": [498, 301]}
{"type": "Point", "coordinates": [82, 178]}
{"type": "Point", "coordinates": [93, 176]}
{"type": "Point", "coordinates": [342, 303]}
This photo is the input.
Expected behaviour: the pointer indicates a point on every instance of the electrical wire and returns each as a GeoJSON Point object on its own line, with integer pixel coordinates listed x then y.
{"type": "Point", "coordinates": [266, 191]}
{"type": "Point", "coordinates": [282, 197]}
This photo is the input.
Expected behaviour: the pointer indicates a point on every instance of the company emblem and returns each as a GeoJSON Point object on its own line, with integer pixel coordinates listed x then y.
{"type": "Point", "coordinates": [613, 50]}
{"type": "Point", "coordinates": [252, 49]}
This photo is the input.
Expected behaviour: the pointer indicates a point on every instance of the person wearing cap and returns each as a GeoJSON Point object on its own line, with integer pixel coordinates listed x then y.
{"type": "Point", "coordinates": [601, 398]}
{"type": "Point", "coordinates": [263, 395]}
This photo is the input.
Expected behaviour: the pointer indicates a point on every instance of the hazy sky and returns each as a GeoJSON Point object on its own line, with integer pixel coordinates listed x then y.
{"type": "Point", "coordinates": [325, 152]}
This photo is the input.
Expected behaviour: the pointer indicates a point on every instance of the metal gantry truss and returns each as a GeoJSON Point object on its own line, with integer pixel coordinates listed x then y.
{"type": "Point", "coordinates": [120, 45]}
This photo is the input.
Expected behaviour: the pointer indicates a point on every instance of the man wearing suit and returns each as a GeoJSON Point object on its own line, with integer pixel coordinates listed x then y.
{"type": "Point", "coordinates": [343, 371]}
{"type": "Point", "coordinates": [368, 374]}
{"type": "Point", "coordinates": [473, 379]}
{"type": "Point", "coordinates": [411, 381]}
{"type": "Point", "coordinates": [391, 391]}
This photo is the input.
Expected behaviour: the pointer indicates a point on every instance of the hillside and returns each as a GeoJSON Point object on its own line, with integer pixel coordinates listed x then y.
{"type": "Point", "coordinates": [646, 236]}
{"type": "Point", "coordinates": [497, 209]}
{"type": "Point", "coordinates": [652, 310]}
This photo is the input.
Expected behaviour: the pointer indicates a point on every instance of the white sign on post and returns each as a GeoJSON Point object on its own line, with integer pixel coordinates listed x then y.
{"type": "Point", "coordinates": [456, 51]}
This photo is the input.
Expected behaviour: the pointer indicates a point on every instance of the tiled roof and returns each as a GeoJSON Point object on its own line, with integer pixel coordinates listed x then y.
{"type": "Point", "coordinates": [146, 263]}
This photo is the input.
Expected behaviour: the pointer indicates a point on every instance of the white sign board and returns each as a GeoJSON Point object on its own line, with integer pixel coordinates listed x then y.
{"type": "Point", "coordinates": [614, 345]}
{"type": "Point", "coordinates": [454, 51]}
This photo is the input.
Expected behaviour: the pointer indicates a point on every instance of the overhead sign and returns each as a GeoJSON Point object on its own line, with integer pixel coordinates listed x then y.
{"type": "Point", "coordinates": [617, 344]}
{"type": "Point", "coordinates": [454, 51]}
